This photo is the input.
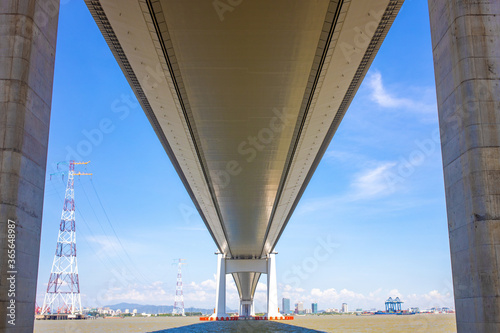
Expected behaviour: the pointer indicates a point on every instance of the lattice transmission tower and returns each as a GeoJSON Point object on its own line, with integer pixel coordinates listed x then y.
{"type": "Point", "coordinates": [179, 296]}
{"type": "Point", "coordinates": [63, 289]}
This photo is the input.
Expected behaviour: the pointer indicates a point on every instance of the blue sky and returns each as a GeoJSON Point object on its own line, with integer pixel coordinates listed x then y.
{"type": "Point", "coordinates": [376, 199]}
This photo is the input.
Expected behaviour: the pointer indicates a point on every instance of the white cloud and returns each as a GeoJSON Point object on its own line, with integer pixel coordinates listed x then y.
{"type": "Point", "coordinates": [431, 299]}
{"type": "Point", "coordinates": [208, 284]}
{"type": "Point", "coordinates": [332, 298]}
{"type": "Point", "coordinates": [106, 246]}
{"type": "Point", "coordinates": [203, 295]}
{"type": "Point", "coordinates": [382, 97]}
{"type": "Point", "coordinates": [153, 293]}
{"type": "Point", "coordinates": [261, 286]}
{"type": "Point", "coordinates": [373, 182]}
{"type": "Point", "coordinates": [376, 292]}
{"type": "Point", "coordinates": [395, 293]}
{"type": "Point", "coordinates": [345, 156]}
{"type": "Point", "coordinates": [157, 293]}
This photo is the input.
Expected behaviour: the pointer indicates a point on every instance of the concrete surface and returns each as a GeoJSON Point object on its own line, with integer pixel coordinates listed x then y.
{"type": "Point", "coordinates": [28, 32]}
{"type": "Point", "coordinates": [466, 47]}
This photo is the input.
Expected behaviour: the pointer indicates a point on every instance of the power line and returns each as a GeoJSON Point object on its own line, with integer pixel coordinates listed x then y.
{"type": "Point", "coordinates": [131, 267]}
{"type": "Point", "coordinates": [114, 232]}
{"type": "Point", "coordinates": [110, 262]}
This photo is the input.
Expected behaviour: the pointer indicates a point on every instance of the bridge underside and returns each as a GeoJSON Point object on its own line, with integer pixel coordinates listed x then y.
{"type": "Point", "coordinates": [245, 97]}
{"type": "Point", "coordinates": [158, 46]}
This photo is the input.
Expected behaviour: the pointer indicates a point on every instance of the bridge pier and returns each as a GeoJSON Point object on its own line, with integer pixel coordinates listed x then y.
{"type": "Point", "coordinates": [466, 48]}
{"type": "Point", "coordinates": [28, 31]}
{"type": "Point", "coordinates": [220, 293]}
{"type": "Point", "coordinates": [246, 308]}
{"type": "Point", "coordinates": [242, 266]}
{"type": "Point", "coordinates": [272, 288]}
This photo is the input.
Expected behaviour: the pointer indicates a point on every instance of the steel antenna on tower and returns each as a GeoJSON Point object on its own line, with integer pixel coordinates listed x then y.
{"type": "Point", "coordinates": [63, 289]}
{"type": "Point", "coordinates": [179, 297]}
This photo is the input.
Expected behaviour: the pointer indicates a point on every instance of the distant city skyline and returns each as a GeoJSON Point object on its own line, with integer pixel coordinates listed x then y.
{"type": "Point", "coordinates": [285, 305]}
{"type": "Point", "coordinates": [371, 224]}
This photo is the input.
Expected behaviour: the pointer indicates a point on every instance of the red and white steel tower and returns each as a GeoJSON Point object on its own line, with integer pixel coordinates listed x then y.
{"type": "Point", "coordinates": [63, 289]}
{"type": "Point", "coordinates": [179, 297]}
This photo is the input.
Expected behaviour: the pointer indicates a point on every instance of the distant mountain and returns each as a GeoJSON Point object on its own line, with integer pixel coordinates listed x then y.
{"type": "Point", "coordinates": [155, 309]}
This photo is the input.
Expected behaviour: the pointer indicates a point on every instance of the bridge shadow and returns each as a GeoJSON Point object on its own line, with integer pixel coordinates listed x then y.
{"type": "Point", "coordinates": [241, 326]}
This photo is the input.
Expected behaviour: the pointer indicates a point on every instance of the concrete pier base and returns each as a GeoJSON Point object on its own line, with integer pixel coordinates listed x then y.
{"type": "Point", "coordinates": [220, 301]}
{"type": "Point", "coordinates": [28, 31]}
{"type": "Point", "coordinates": [466, 47]}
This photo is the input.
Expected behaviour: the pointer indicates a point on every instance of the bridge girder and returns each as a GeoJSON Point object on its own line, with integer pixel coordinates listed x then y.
{"type": "Point", "coordinates": [245, 101]}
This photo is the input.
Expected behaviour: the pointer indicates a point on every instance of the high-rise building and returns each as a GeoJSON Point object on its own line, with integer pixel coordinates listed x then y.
{"type": "Point", "coordinates": [345, 309]}
{"type": "Point", "coordinates": [314, 307]}
{"type": "Point", "coordinates": [300, 308]}
{"type": "Point", "coordinates": [285, 306]}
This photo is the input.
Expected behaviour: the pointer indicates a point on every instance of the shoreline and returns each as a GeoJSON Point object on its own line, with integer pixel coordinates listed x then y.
{"type": "Point", "coordinates": [438, 323]}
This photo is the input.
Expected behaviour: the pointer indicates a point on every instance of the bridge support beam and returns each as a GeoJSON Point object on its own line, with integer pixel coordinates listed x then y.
{"type": "Point", "coordinates": [466, 48]}
{"type": "Point", "coordinates": [220, 301]}
{"type": "Point", "coordinates": [28, 31]}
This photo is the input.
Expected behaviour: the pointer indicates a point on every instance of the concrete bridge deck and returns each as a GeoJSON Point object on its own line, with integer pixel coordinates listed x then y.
{"type": "Point", "coordinates": [245, 97]}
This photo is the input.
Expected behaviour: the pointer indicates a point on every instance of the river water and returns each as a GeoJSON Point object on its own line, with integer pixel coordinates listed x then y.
{"type": "Point", "coordinates": [443, 323]}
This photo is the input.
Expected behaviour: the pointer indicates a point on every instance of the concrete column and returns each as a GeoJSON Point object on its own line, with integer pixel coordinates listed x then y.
{"type": "Point", "coordinates": [466, 48]}
{"type": "Point", "coordinates": [245, 308]}
{"type": "Point", "coordinates": [272, 287]}
{"type": "Point", "coordinates": [242, 309]}
{"type": "Point", "coordinates": [220, 294]}
{"type": "Point", "coordinates": [28, 32]}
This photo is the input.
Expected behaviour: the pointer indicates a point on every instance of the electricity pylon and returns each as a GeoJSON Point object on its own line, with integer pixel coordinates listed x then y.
{"type": "Point", "coordinates": [63, 289]}
{"type": "Point", "coordinates": [179, 297]}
